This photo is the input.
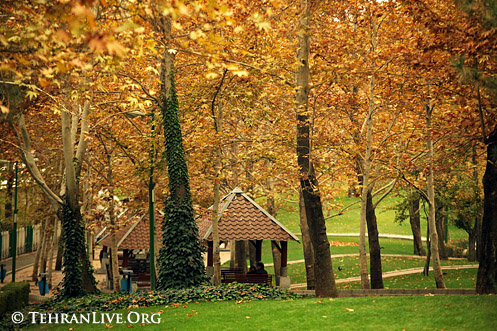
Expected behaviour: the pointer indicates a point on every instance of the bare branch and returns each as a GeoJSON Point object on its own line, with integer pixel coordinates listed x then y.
{"type": "Point", "coordinates": [141, 85]}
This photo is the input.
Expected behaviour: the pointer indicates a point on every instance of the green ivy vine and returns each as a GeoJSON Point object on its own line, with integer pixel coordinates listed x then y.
{"type": "Point", "coordinates": [73, 238]}
{"type": "Point", "coordinates": [180, 259]}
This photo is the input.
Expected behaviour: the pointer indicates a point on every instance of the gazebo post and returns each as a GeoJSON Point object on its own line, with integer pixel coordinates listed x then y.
{"type": "Point", "coordinates": [258, 250]}
{"type": "Point", "coordinates": [210, 258]}
{"type": "Point", "coordinates": [284, 279]}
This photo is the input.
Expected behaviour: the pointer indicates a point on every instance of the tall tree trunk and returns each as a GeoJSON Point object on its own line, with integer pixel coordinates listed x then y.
{"type": "Point", "coordinates": [440, 221]}
{"type": "Point", "coordinates": [271, 209]}
{"type": "Point", "coordinates": [112, 216]}
{"type": "Point", "coordinates": [36, 264]}
{"type": "Point", "coordinates": [374, 246]}
{"type": "Point", "coordinates": [415, 221]}
{"type": "Point", "coordinates": [475, 233]}
{"type": "Point", "coordinates": [216, 277]}
{"type": "Point", "coordinates": [60, 252]}
{"type": "Point", "coordinates": [472, 246]}
{"type": "Point", "coordinates": [53, 247]}
{"type": "Point", "coordinates": [46, 247]}
{"type": "Point", "coordinates": [185, 267]}
{"type": "Point", "coordinates": [10, 185]}
{"type": "Point", "coordinates": [486, 281]}
{"type": "Point", "coordinates": [80, 279]}
{"type": "Point", "coordinates": [428, 256]}
{"type": "Point", "coordinates": [218, 126]}
{"type": "Point", "coordinates": [307, 246]}
{"type": "Point", "coordinates": [325, 279]}
{"type": "Point", "coordinates": [430, 187]}
{"type": "Point", "coordinates": [366, 168]}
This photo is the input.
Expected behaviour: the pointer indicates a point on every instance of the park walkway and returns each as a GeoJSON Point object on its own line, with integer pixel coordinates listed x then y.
{"type": "Point", "coordinates": [395, 273]}
{"type": "Point", "coordinates": [22, 262]}
{"type": "Point", "coordinates": [357, 234]}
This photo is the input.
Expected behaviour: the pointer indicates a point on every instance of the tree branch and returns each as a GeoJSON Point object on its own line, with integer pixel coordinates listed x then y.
{"type": "Point", "coordinates": [72, 188]}
{"type": "Point", "coordinates": [142, 87]}
{"type": "Point", "coordinates": [24, 142]}
{"type": "Point", "coordinates": [83, 143]}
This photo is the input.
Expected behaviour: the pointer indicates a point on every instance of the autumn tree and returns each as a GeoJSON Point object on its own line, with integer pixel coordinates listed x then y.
{"type": "Point", "coordinates": [325, 280]}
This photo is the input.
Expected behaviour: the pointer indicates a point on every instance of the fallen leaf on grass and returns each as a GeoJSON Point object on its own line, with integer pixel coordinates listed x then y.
{"type": "Point", "coordinates": [324, 316]}
{"type": "Point", "coordinates": [320, 301]}
{"type": "Point", "coordinates": [247, 316]}
{"type": "Point", "coordinates": [429, 295]}
{"type": "Point", "coordinates": [349, 309]}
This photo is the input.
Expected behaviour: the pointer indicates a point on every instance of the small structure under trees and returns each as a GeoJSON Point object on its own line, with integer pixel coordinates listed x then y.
{"type": "Point", "coordinates": [242, 219]}
{"type": "Point", "coordinates": [131, 237]}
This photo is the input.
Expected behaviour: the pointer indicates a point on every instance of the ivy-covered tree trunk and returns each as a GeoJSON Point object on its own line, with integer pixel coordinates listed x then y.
{"type": "Point", "coordinates": [78, 272]}
{"type": "Point", "coordinates": [180, 258]}
{"type": "Point", "coordinates": [486, 281]}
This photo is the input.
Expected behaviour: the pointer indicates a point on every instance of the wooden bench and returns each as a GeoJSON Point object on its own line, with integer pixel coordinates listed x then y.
{"type": "Point", "coordinates": [229, 275]}
{"type": "Point", "coordinates": [143, 280]}
{"type": "Point", "coordinates": [237, 275]}
{"type": "Point", "coordinates": [255, 279]}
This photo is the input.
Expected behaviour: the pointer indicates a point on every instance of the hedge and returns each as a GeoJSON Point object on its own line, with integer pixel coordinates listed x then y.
{"type": "Point", "coordinates": [14, 296]}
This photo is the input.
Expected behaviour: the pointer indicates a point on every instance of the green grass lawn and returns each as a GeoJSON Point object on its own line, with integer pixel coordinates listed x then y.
{"type": "Point", "coordinates": [463, 278]}
{"type": "Point", "coordinates": [367, 313]}
{"type": "Point", "coordinates": [295, 252]}
{"type": "Point", "coordinates": [288, 215]}
{"type": "Point", "coordinates": [350, 267]}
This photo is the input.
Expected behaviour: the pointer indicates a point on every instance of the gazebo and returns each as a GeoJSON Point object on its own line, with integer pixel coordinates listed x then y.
{"type": "Point", "coordinates": [131, 237]}
{"type": "Point", "coordinates": [240, 219]}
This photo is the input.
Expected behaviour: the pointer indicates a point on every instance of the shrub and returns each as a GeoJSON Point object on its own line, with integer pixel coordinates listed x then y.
{"type": "Point", "coordinates": [115, 301]}
{"type": "Point", "coordinates": [14, 296]}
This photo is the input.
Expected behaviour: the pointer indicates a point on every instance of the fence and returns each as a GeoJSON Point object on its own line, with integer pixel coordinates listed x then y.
{"type": "Point", "coordinates": [28, 240]}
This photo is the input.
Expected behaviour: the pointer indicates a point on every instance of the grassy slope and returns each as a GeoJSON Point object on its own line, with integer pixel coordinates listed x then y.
{"type": "Point", "coordinates": [368, 313]}
{"type": "Point", "coordinates": [350, 267]}
{"type": "Point", "coordinates": [349, 222]}
{"type": "Point", "coordinates": [390, 246]}
{"type": "Point", "coordinates": [464, 278]}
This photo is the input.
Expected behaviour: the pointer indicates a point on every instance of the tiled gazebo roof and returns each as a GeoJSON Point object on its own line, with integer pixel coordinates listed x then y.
{"type": "Point", "coordinates": [241, 218]}
{"type": "Point", "coordinates": [136, 234]}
